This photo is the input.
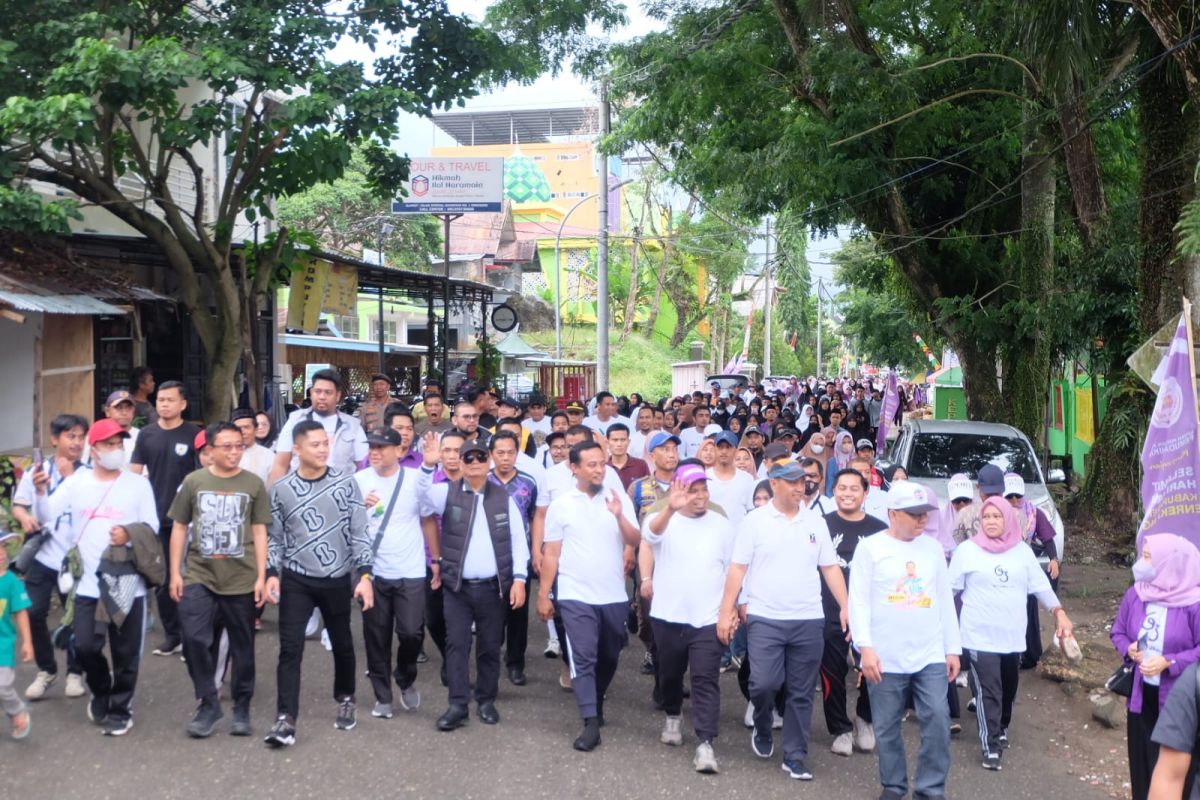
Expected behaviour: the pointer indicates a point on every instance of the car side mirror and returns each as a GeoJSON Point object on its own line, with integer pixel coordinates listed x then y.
{"type": "Point", "coordinates": [1056, 476]}
{"type": "Point", "coordinates": [882, 464]}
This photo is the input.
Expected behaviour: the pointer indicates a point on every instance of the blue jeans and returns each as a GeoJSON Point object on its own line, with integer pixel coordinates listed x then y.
{"type": "Point", "coordinates": [887, 710]}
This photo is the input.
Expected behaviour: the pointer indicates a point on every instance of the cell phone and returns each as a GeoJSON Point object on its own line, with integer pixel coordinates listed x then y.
{"type": "Point", "coordinates": [37, 458]}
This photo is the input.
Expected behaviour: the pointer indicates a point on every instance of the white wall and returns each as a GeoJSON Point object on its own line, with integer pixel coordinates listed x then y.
{"type": "Point", "coordinates": [17, 364]}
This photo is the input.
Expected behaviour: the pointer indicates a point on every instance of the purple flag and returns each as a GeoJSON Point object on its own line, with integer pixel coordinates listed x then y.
{"type": "Point", "coordinates": [891, 402]}
{"type": "Point", "coordinates": [1171, 454]}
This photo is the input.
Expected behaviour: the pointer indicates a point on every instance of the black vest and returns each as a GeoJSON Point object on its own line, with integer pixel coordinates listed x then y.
{"type": "Point", "coordinates": [457, 523]}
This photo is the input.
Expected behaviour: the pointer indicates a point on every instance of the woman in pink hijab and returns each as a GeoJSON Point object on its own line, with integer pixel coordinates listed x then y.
{"type": "Point", "coordinates": [1157, 628]}
{"type": "Point", "coordinates": [995, 570]}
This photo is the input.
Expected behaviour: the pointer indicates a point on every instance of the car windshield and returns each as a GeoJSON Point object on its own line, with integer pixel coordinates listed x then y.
{"type": "Point", "coordinates": [940, 455]}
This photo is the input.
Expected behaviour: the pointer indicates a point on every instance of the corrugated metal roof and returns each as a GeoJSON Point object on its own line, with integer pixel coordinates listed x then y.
{"type": "Point", "coordinates": [56, 304]}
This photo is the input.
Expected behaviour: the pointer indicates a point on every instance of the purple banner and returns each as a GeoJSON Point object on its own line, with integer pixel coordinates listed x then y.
{"type": "Point", "coordinates": [891, 402]}
{"type": "Point", "coordinates": [1171, 455]}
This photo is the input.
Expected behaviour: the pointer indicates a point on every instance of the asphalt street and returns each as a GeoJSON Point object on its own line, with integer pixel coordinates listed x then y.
{"type": "Point", "coordinates": [528, 755]}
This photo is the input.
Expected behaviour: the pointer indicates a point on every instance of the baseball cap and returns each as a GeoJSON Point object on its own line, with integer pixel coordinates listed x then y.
{"type": "Point", "coordinates": [384, 437]}
{"type": "Point", "coordinates": [776, 451]}
{"type": "Point", "coordinates": [909, 496]}
{"type": "Point", "coordinates": [659, 439]}
{"type": "Point", "coordinates": [787, 432]}
{"type": "Point", "coordinates": [864, 443]}
{"type": "Point", "coordinates": [991, 479]}
{"type": "Point", "coordinates": [119, 396]}
{"type": "Point", "coordinates": [200, 442]}
{"type": "Point", "coordinates": [690, 473]}
{"type": "Point", "coordinates": [106, 429]}
{"type": "Point", "coordinates": [379, 376]}
{"type": "Point", "coordinates": [575, 405]}
{"type": "Point", "coordinates": [725, 437]}
{"type": "Point", "coordinates": [536, 400]}
{"type": "Point", "coordinates": [712, 428]}
{"type": "Point", "coordinates": [242, 413]}
{"type": "Point", "coordinates": [959, 486]}
{"type": "Point", "coordinates": [472, 447]}
{"type": "Point", "coordinates": [1013, 484]}
{"type": "Point", "coordinates": [511, 403]}
{"type": "Point", "coordinates": [786, 470]}
{"type": "Point", "coordinates": [753, 431]}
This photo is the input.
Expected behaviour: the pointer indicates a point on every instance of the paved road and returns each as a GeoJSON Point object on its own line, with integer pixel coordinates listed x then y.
{"type": "Point", "coordinates": [528, 755]}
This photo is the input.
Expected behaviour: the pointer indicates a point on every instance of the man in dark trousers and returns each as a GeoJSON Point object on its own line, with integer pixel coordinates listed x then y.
{"type": "Point", "coordinates": [166, 450]}
{"type": "Point", "coordinates": [484, 557]}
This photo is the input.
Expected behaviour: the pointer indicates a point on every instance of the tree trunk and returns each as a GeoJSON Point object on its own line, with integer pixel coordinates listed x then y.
{"type": "Point", "coordinates": [660, 276]}
{"type": "Point", "coordinates": [979, 378]}
{"type": "Point", "coordinates": [631, 300]}
{"type": "Point", "coordinates": [1082, 167]}
{"type": "Point", "coordinates": [1175, 23]}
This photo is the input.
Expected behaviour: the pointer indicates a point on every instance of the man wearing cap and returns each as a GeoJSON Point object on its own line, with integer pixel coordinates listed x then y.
{"type": "Point", "coordinates": [575, 412]}
{"type": "Point", "coordinates": [484, 553]}
{"type": "Point", "coordinates": [730, 488]}
{"type": "Point", "coordinates": [781, 551]}
{"type": "Point", "coordinates": [370, 413]}
{"type": "Point", "coordinates": [393, 503]}
{"type": "Point", "coordinates": [606, 414]}
{"type": "Point", "coordinates": [588, 531]}
{"type": "Point", "coordinates": [960, 492]}
{"type": "Point", "coordinates": [903, 622]}
{"type": "Point", "coordinates": [102, 502]}
{"type": "Point", "coordinates": [629, 469]}
{"type": "Point", "coordinates": [692, 542]}
{"type": "Point", "coordinates": [691, 438]}
{"type": "Point", "coordinates": [220, 518]}
{"type": "Point", "coordinates": [120, 407]}
{"type": "Point", "coordinates": [256, 459]}
{"type": "Point", "coordinates": [1038, 532]}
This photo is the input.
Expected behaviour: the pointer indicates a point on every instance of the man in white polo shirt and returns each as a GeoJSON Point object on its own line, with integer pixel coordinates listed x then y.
{"type": "Point", "coordinates": [781, 550]}
{"type": "Point", "coordinates": [903, 622]}
{"type": "Point", "coordinates": [588, 530]}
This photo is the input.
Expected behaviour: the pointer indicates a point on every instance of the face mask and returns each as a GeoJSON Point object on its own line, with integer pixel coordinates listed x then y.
{"type": "Point", "coordinates": [818, 449]}
{"type": "Point", "coordinates": [810, 487]}
{"type": "Point", "coordinates": [847, 448]}
{"type": "Point", "coordinates": [112, 459]}
{"type": "Point", "coordinates": [1143, 571]}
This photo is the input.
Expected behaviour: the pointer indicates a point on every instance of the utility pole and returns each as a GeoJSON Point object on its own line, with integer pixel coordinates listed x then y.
{"type": "Point", "coordinates": [602, 252]}
{"type": "Point", "coordinates": [767, 308]}
{"type": "Point", "coordinates": [819, 301]}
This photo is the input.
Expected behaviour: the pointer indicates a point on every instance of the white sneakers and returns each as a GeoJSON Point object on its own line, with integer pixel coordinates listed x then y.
{"type": "Point", "coordinates": [864, 735]}
{"type": "Point", "coordinates": [748, 720]}
{"type": "Point", "coordinates": [843, 745]}
{"type": "Point", "coordinates": [75, 685]}
{"type": "Point", "coordinates": [672, 732]}
{"type": "Point", "coordinates": [37, 689]}
{"type": "Point", "coordinates": [704, 760]}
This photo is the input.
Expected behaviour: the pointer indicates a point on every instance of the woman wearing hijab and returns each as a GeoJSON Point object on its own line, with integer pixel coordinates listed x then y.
{"type": "Point", "coordinates": [823, 411]}
{"type": "Point", "coordinates": [735, 426]}
{"type": "Point", "coordinates": [995, 571]}
{"type": "Point", "coordinates": [859, 421]}
{"type": "Point", "coordinates": [1157, 628]}
{"type": "Point", "coordinates": [819, 447]}
{"type": "Point", "coordinates": [843, 451]}
{"type": "Point", "coordinates": [810, 428]}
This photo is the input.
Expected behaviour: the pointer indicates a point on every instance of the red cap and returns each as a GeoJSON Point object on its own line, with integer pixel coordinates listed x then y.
{"type": "Point", "coordinates": [106, 429]}
{"type": "Point", "coordinates": [200, 441]}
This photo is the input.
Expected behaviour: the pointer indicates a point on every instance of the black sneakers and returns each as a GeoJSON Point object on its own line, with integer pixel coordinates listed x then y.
{"type": "Point", "coordinates": [282, 733]}
{"type": "Point", "coordinates": [205, 720]}
{"type": "Point", "coordinates": [347, 714]}
{"type": "Point", "coordinates": [241, 722]}
{"type": "Point", "coordinates": [590, 738]}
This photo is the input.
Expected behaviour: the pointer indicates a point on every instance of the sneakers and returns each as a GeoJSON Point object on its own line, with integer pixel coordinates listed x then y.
{"type": "Point", "coordinates": [1004, 738]}
{"type": "Point", "coordinates": [42, 682]}
{"type": "Point", "coordinates": [589, 739]}
{"type": "Point", "coordinates": [961, 680]}
{"type": "Point", "coordinates": [241, 722]}
{"type": "Point", "coordinates": [422, 657]}
{"type": "Point", "coordinates": [117, 727]}
{"type": "Point", "coordinates": [843, 745]}
{"type": "Point", "coordinates": [564, 678]}
{"type": "Point", "coordinates": [776, 721]}
{"type": "Point", "coordinates": [21, 725]}
{"type": "Point", "coordinates": [971, 705]}
{"type": "Point", "coordinates": [955, 727]}
{"type": "Point", "coordinates": [796, 769]}
{"type": "Point", "coordinates": [326, 642]}
{"type": "Point", "coordinates": [553, 649]}
{"type": "Point", "coordinates": [748, 720]}
{"type": "Point", "coordinates": [169, 648]}
{"type": "Point", "coordinates": [382, 711]}
{"type": "Point", "coordinates": [205, 720]}
{"type": "Point", "coordinates": [648, 664]}
{"type": "Point", "coordinates": [704, 761]}
{"type": "Point", "coordinates": [732, 665]}
{"type": "Point", "coordinates": [347, 714]}
{"type": "Point", "coordinates": [97, 710]}
{"type": "Point", "coordinates": [762, 745]}
{"type": "Point", "coordinates": [864, 735]}
{"type": "Point", "coordinates": [992, 763]}
{"type": "Point", "coordinates": [75, 686]}
{"type": "Point", "coordinates": [410, 698]}
{"type": "Point", "coordinates": [282, 733]}
{"type": "Point", "coordinates": [672, 733]}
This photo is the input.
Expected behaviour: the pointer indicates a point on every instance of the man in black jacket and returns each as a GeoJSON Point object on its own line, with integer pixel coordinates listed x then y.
{"type": "Point", "coordinates": [484, 557]}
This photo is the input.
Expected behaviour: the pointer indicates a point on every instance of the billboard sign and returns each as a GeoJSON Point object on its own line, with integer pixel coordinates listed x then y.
{"type": "Point", "coordinates": [452, 186]}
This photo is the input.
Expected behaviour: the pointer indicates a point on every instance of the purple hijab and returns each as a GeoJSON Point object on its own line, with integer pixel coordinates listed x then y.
{"type": "Point", "coordinates": [940, 523]}
{"type": "Point", "coordinates": [1177, 572]}
{"type": "Point", "coordinates": [1011, 536]}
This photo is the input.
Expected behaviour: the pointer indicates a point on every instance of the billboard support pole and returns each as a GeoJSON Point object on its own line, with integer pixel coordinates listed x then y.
{"type": "Point", "coordinates": [446, 220]}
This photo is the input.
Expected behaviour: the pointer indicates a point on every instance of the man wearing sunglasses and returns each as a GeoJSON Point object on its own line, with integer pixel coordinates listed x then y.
{"type": "Point", "coordinates": [466, 422]}
{"type": "Point", "coordinates": [484, 554]}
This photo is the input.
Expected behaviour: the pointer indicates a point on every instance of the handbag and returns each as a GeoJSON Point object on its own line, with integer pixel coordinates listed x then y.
{"type": "Point", "coordinates": [29, 550]}
{"type": "Point", "coordinates": [1121, 681]}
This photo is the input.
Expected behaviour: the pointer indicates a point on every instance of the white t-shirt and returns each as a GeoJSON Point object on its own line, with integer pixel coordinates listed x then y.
{"type": "Point", "coordinates": [533, 468]}
{"type": "Point", "coordinates": [597, 424]}
{"type": "Point", "coordinates": [901, 604]}
{"type": "Point", "coordinates": [735, 496]}
{"type": "Point", "coordinates": [94, 508]}
{"type": "Point", "coordinates": [591, 566]}
{"type": "Point", "coordinates": [539, 430]}
{"type": "Point", "coordinates": [637, 444]}
{"type": "Point", "coordinates": [690, 440]}
{"type": "Point", "coordinates": [258, 459]}
{"type": "Point", "coordinates": [691, 558]}
{"type": "Point", "coordinates": [875, 504]}
{"type": "Point", "coordinates": [783, 556]}
{"type": "Point", "coordinates": [128, 442]}
{"type": "Point", "coordinates": [994, 587]}
{"type": "Point", "coordinates": [401, 552]}
{"type": "Point", "coordinates": [560, 480]}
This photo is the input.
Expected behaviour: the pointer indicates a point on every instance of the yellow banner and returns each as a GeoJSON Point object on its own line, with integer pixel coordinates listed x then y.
{"type": "Point", "coordinates": [1084, 426]}
{"type": "Point", "coordinates": [342, 297]}
{"type": "Point", "coordinates": [310, 284]}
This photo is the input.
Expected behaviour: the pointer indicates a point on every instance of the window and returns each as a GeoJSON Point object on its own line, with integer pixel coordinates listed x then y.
{"type": "Point", "coordinates": [347, 326]}
{"type": "Point", "coordinates": [390, 329]}
{"type": "Point", "coordinates": [940, 455]}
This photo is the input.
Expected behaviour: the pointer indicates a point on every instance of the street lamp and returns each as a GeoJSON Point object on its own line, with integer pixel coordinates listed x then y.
{"type": "Point", "coordinates": [558, 274]}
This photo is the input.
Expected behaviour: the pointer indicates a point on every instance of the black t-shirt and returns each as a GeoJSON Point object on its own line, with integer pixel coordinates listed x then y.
{"type": "Point", "coordinates": [845, 535]}
{"type": "Point", "coordinates": [1179, 723]}
{"type": "Point", "coordinates": [169, 456]}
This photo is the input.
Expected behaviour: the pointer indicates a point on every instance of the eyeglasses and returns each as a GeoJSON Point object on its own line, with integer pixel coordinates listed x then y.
{"type": "Point", "coordinates": [229, 448]}
{"type": "Point", "coordinates": [475, 458]}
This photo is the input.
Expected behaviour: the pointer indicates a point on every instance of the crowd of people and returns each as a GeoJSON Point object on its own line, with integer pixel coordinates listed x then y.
{"type": "Point", "coordinates": [736, 530]}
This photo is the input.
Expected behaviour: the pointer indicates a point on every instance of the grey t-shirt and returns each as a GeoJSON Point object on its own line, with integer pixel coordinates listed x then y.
{"type": "Point", "coordinates": [1178, 725]}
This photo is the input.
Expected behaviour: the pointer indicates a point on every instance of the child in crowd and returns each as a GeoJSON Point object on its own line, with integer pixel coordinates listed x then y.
{"type": "Point", "coordinates": [14, 620]}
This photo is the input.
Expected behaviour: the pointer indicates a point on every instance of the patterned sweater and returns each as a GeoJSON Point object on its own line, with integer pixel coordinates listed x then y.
{"type": "Point", "coordinates": [318, 527]}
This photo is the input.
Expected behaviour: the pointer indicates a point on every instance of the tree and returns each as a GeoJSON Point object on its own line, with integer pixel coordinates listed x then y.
{"type": "Point", "coordinates": [347, 217]}
{"type": "Point", "coordinates": [102, 94]}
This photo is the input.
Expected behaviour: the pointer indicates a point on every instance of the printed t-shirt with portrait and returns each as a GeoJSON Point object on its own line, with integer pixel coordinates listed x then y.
{"type": "Point", "coordinates": [221, 511]}
{"type": "Point", "coordinates": [13, 599]}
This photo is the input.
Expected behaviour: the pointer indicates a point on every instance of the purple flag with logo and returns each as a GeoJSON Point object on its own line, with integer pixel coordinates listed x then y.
{"type": "Point", "coordinates": [891, 402]}
{"type": "Point", "coordinates": [1171, 453]}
